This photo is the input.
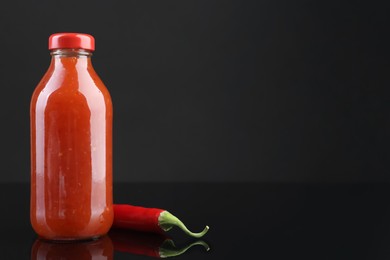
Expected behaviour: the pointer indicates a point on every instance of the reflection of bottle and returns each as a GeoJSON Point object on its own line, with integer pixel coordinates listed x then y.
{"type": "Point", "coordinates": [71, 143]}
{"type": "Point", "coordinates": [148, 244]}
{"type": "Point", "coordinates": [100, 249]}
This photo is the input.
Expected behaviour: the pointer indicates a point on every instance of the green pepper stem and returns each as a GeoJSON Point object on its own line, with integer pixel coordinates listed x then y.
{"type": "Point", "coordinates": [166, 221]}
{"type": "Point", "coordinates": [169, 249]}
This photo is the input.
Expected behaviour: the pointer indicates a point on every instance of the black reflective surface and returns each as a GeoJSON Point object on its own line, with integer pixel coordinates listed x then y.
{"type": "Point", "coordinates": [247, 221]}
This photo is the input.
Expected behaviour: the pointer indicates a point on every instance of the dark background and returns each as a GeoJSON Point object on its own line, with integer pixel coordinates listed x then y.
{"type": "Point", "coordinates": [216, 90]}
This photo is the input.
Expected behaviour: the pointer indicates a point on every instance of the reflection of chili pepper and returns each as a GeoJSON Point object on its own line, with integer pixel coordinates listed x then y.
{"type": "Point", "coordinates": [148, 220]}
{"type": "Point", "coordinates": [148, 244]}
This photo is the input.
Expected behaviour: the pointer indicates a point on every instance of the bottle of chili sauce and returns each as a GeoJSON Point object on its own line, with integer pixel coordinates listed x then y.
{"type": "Point", "coordinates": [71, 145]}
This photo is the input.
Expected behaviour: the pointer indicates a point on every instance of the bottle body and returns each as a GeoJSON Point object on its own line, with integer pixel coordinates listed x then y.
{"type": "Point", "coordinates": [71, 151]}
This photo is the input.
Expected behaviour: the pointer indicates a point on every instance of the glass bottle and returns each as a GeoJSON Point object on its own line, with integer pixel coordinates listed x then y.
{"type": "Point", "coordinates": [71, 145]}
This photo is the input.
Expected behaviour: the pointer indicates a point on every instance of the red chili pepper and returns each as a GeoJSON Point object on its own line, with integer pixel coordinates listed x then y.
{"type": "Point", "coordinates": [148, 244]}
{"type": "Point", "coordinates": [148, 220]}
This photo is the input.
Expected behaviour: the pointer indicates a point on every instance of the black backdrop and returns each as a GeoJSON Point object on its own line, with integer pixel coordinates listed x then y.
{"type": "Point", "coordinates": [208, 90]}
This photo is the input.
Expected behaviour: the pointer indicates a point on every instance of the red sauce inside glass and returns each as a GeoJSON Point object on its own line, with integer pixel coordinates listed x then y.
{"type": "Point", "coordinates": [71, 150]}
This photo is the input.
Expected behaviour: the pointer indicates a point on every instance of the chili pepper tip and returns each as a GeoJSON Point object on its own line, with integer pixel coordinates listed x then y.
{"type": "Point", "coordinates": [166, 221]}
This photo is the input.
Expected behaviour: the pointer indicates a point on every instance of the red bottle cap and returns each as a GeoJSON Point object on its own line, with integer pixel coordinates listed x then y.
{"type": "Point", "coordinates": [71, 41]}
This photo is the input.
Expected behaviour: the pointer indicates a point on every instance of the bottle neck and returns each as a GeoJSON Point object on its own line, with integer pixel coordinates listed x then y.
{"type": "Point", "coordinates": [68, 58]}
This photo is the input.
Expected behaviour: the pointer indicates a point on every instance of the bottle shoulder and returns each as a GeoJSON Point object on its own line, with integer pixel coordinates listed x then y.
{"type": "Point", "coordinates": [72, 86]}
